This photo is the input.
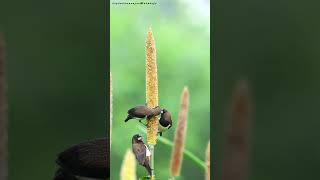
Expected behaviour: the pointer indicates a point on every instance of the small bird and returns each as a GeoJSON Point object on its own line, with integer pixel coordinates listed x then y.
{"type": "Point", "coordinates": [165, 121]}
{"type": "Point", "coordinates": [87, 160]}
{"type": "Point", "coordinates": [142, 112]}
{"type": "Point", "coordinates": [142, 152]}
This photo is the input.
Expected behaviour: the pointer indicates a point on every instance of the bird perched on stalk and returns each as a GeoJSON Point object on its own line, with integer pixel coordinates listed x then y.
{"type": "Point", "coordinates": [85, 161]}
{"type": "Point", "coordinates": [142, 152]}
{"type": "Point", "coordinates": [165, 121]}
{"type": "Point", "coordinates": [141, 112]}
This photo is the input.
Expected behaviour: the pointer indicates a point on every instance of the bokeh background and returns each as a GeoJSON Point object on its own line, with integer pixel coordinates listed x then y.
{"type": "Point", "coordinates": [181, 32]}
{"type": "Point", "coordinates": [57, 75]}
{"type": "Point", "coordinates": [57, 70]}
{"type": "Point", "coordinates": [275, 46]}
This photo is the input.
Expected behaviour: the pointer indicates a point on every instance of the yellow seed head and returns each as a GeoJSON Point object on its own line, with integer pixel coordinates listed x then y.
{"type": "Point", "coordinates": [178, 147]}
{"type": "Point", "coordinates": [128, 168]}
{"type": "Point", "coordinates": [151, 87]}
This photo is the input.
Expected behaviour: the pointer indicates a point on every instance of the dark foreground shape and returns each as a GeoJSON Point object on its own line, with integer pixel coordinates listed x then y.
{"type": "Point", "coordinates": [88, 159]}
{"type": "Point", "coordinates": [63, 175]}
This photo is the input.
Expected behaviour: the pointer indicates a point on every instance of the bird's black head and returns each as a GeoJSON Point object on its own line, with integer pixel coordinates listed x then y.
{"type": "Point", "coordinates": [137, 138]}
{"type": "Point", "coordinates": [165, 119]}
{"type": "Point", "coordinates": [163, 111]}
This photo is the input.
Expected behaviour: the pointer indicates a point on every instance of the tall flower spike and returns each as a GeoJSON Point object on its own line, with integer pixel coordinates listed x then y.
{"type": "Point", "coordinates": [151, 87]}
{"type": "Point", "coordinates": [208, 162]}
{"type": "Point", "coordinates": [110, 108]}
{"type": "Point", "coordinates": [3, 114]}
{"type": "Point", "coordinates": [235, 152]}
{"type": "Point", "coordinates": [128, 168]}
{"type": "Point", "coordinates": [178, 146]}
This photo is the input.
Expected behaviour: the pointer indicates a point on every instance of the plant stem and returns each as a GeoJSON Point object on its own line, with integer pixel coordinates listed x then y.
{"type": "Point", "coordinates": [186, 152]}
{"type": "Point", "coordinates": [151, 148]}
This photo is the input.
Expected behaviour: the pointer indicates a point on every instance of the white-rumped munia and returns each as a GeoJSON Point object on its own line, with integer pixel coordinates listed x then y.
{"type": "Point", "coordinates": [141, 112]}
{"type": "Point", "coordinates": [142, 152]}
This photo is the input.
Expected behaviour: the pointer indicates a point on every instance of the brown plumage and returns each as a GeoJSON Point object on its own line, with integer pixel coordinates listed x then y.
{"type": "Point", "coordinates": [142, 112]}
{"type": "Point", "coordinates": [165, 121]}
{"type": "Point", "coordinates": [87, 159]}
{"type": "Point", "coordinates": [141, 152]}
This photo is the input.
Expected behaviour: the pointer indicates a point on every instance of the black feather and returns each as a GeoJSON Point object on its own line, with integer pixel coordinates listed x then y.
{"type": "Point", "coordinates": [88, 159]}
{"type": "Point", "coordinates": [128, 118]}
{"type": "Point", "coordinates": [63, 175]}
{"type": "Point", "coordinates": [147, 166]}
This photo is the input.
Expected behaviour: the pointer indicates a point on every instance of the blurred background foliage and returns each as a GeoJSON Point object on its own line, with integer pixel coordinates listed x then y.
{"type": "Point", "coordinates": [57, 80]}
{"type": "Point", "coordinates": [181, 32]}
{"type": "Point", "coordinates": [275, 46]}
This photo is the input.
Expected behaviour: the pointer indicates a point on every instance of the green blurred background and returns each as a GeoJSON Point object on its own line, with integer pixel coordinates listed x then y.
{"type": "Point", "coordinates": [57, 70]}
{"type": "Point", "coordinates": [275, 45]}
{"type": "Point", "coordinates": [57, 74]}
{"type": "Point", "coordinates": [181, 32]}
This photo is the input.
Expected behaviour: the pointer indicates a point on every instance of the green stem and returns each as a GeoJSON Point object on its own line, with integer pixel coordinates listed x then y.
{"type": "Point", "coordinates": [151, 148]}
{"type": "Point", "coordinates": [186, 152]}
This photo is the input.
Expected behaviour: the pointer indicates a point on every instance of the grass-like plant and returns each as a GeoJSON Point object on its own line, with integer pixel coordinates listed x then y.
{"type": "Point", "coordinates": [179, 138]}
{"type": "Point", "coordinates": [235, 152]}
{"type": "Point", "coordinates": [151, 87]}
{"type": "Point", "coordinates": [128, 168]}
{"type": "Point", "coordinates": [152, 124]}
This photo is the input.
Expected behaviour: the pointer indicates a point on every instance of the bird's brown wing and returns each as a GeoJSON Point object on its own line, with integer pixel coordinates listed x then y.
{"type": "Point", "coordinates": [140, 152]}
{"type": "Point", "coordinates": [142, 111]}
{"type": "Point", "coordinates": [89, 159]}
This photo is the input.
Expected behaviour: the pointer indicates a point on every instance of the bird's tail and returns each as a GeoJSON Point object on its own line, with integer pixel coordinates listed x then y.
{"type": "Point", "coordinates": [63, 175]}
{"type": "Point", "coordinates": [128, 118]}
{"type": "Point", "coordinates": [148, 169]}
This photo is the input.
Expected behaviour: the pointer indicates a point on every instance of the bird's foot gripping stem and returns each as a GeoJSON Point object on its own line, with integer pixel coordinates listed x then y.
{"type": "Point", "coordinates": [145, 124]}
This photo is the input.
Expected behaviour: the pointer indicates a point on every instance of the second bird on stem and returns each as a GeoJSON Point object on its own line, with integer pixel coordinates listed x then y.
{"type": "Point", "coordinates": [141, 112]}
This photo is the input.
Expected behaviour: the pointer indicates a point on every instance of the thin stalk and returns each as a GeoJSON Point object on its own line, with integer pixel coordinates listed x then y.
{"type": "Point", "coordinates": [110, 128]}
{"type": "Point", "coordinates": [151, 148]}
{"type": "Point", "coordinates": [207, 174]}
{"type": "Point", "coordinates": [186, 152]}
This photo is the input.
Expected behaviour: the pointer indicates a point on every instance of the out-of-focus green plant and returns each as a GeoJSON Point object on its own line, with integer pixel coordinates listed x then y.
{"type": "Point", "coordinates": [128, 169]}
{"type": "Point", "coordinates": [183, 51]}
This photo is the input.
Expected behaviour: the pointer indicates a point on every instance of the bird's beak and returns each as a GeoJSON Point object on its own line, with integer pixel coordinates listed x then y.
{"type": "Point", "coordinates": [139, 138]}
